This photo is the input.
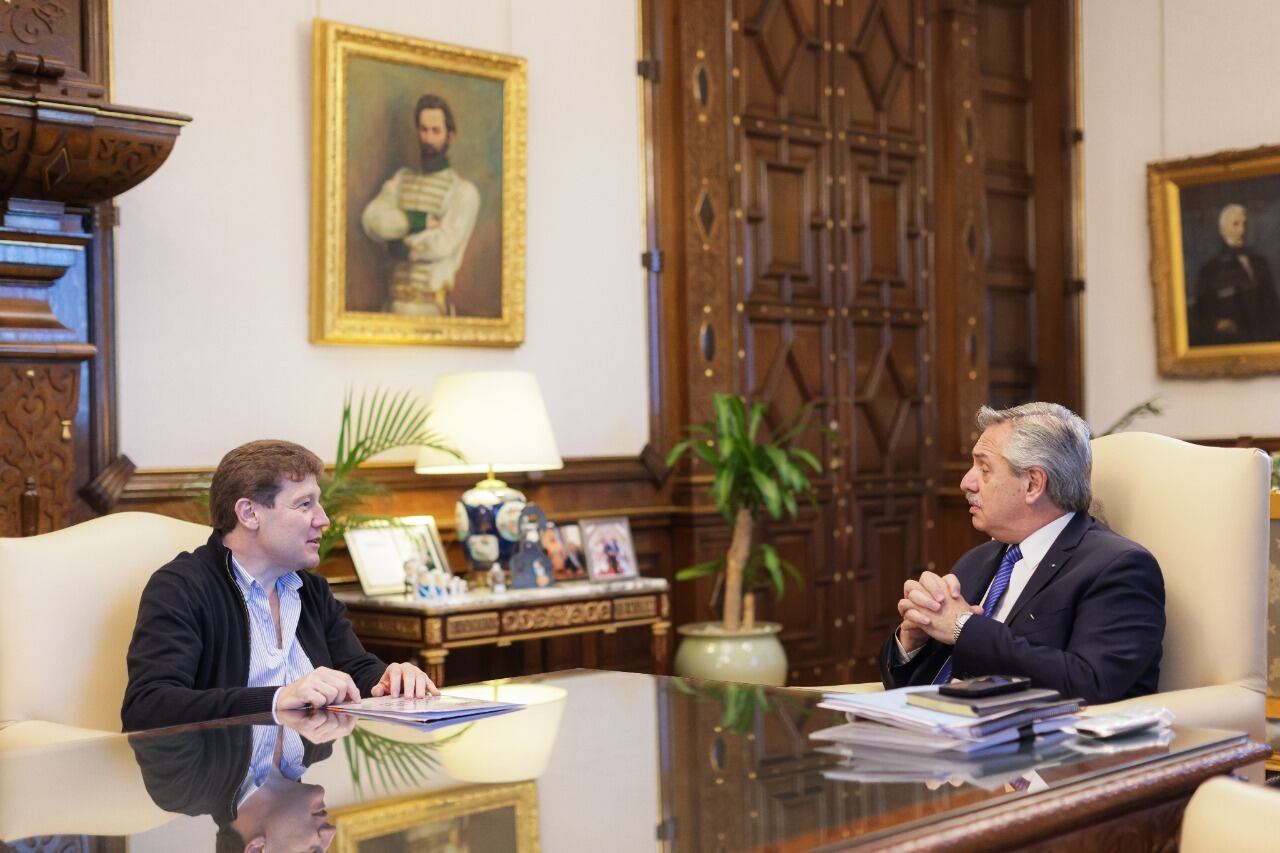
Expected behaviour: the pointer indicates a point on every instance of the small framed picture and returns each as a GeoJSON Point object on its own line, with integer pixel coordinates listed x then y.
{"type": "Point", "coordinates": [610, 553]}
{"type": "Point", "coordinates": [564, 547]}
{"type": "Point", "coordinates": [426, 534]}
{"type": "Point", "coordinates": [384, 554]}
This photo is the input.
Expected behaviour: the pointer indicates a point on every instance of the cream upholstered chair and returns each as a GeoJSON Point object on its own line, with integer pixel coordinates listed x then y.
{"type": "Point", "coordinates": [1227, 815]}
{"type": "Point", "coordinates": [68, 602]}
{"type": "Point", "coordinates": [46, 766]}
{"type": "Point", "coordinates": [1204, 513]}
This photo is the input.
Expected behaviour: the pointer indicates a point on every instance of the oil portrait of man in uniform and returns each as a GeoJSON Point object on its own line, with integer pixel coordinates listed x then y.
{"type": "Point", "coordinates": [418, 192]}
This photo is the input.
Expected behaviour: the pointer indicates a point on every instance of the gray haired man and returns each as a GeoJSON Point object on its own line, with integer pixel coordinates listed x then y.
{"type": "Point", "coordinates": [1056, 595]}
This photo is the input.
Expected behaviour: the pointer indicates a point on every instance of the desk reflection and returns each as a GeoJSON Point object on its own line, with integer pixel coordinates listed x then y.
{"type": "Point", "coordinates": [610, 761]}
{"type": "Point", "coordinates": [248, 779]}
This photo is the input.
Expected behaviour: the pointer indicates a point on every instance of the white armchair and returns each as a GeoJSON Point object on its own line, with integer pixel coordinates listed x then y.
{"type": "Point", "coordinates": [68, 602]}
{"type": "Point", "coordinates": [1227, 815]}
{"type": "Point", "coordinates": [1204, 513]}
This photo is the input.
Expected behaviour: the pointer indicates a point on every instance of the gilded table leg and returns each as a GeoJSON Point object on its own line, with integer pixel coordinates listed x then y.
{"type": "Point", "coordinates": [433, 663]}
{"type": "Point", "coordinates": [661, 647]}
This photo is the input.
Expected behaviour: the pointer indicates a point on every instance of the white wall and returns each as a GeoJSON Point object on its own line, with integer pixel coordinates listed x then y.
{"type": "Point", "coordinates": [213, 249]}
{"type": "Point", "coordinates": [1165, 79]}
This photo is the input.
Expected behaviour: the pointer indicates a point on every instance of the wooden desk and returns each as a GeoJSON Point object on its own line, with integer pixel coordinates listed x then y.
{"type": "Point", "coordinates": [586, 752]}
{"type": "Point", "coordinates": [482, 618]}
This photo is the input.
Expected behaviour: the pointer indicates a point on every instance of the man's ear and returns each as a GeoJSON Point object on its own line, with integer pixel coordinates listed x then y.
{"type": "Point", "coordinates": [256, 844]}
{"type": "Point", "coordinates": [1037, 484]}
{"type": "Point", "coordinates": [246, 514]}
{"type": "Point", "coordinates": [448, 140]}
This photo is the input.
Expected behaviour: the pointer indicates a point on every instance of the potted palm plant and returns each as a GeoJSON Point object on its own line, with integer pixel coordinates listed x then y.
{"type": "Point", "coordinates": [751, 473]}
{"type": "Point", "coordinates": [376, 423]}
{"type": "Point", "coordinates": [379, 421]}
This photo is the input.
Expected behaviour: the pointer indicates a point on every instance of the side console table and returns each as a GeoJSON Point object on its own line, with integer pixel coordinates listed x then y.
{"type": "Point", "coordinates": [484, 618]}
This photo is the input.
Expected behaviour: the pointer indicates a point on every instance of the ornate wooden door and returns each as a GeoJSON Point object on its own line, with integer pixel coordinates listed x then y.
{"type": "Point", "coordinates": [873, 209]}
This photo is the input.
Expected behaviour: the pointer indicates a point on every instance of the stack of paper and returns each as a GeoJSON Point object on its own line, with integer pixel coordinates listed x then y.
{"type": "Point", "coordinates": [429, 713]}
{"type": "Point", "coordinates": [890, 736]}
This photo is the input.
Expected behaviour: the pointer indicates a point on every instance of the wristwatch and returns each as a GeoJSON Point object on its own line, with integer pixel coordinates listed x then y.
{"type": "Point", "coordinates": [960, 620]}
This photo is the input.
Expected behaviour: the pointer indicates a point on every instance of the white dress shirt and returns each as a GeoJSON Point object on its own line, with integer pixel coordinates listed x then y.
{"type": "Point", "coordinates": [1033, 548]}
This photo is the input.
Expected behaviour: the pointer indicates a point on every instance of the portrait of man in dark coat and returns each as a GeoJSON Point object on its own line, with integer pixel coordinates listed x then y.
{"type": "Point", "coordinates": [1234, 300]}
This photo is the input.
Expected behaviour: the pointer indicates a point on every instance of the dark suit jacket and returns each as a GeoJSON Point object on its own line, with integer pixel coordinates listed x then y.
{"type": "Point", "coordinates": [1225, 291]}
{"type": "Point", "coordinates": [1089, 623]}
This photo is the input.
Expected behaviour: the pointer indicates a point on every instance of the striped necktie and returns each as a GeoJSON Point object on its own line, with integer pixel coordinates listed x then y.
{"type": "Point", "coordinates": [994, 593]}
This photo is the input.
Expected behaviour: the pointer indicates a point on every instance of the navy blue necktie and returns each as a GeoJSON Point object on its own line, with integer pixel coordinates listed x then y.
{"type": "Point", "coordinates": [994, 593]}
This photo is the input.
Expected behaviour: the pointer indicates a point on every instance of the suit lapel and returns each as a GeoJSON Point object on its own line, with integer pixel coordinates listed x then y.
{"type": "Point", "coordinates": [1055, 559]}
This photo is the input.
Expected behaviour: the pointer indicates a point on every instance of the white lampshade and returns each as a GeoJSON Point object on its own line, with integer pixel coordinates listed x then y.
{"type": "Point", "coordinates": [495, 419]}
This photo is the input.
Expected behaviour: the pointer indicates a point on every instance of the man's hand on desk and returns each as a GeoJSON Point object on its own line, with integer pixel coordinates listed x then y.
{"type": "Point", "coordinates": [405, 679]}
{"type": "Point", "coordinates": [929, 608]}
{"type": "Point", "coordinates": [318, 688]}
{"type": "Point", "coordinates": [318, 726]}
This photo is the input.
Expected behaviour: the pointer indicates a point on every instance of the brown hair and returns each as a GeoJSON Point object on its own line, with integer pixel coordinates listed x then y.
{"type": "Point", "coordinates": [256, 471]}
{"type": "Point", "coordinates": [435, 102]}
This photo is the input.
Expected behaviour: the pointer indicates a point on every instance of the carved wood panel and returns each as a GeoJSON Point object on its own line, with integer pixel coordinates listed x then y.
{"type": "Point", "coordinates": [828, 143]}
{"type": "Point", "coordinates": [38, 404]}
{"type": "Point", "coordinates": [57, 47]}
{"type": "Point", "coordinates": [1004, 248]}
{"type": "Point", "coordinates": [890, 244]}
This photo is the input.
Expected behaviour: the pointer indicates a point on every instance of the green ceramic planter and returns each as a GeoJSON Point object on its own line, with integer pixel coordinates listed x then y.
{"type": "Point", "coordinates": [752, 656]}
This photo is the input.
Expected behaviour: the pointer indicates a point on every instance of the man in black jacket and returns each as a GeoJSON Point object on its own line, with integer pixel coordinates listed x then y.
{"type": "Point", "coordinates": [248, 778]}
{"type": "Point", "coordinates": [1055, 596]}
{"type": "Point", "coordinates": [239, 626]}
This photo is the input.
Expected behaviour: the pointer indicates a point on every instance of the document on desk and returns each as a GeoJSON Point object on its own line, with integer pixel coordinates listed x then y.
{"type": "Point", "coordinates": [429, 710]}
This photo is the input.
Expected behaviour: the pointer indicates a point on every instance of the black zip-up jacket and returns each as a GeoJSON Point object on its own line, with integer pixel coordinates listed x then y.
{"type": "Point", "coordinates": [189, 656]}
{"type": "Point", "coordinates": [198, 772]}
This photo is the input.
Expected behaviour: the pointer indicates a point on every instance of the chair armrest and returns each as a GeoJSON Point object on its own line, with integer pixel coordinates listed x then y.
{"type": "Point", "coordinates": [1220, 706]}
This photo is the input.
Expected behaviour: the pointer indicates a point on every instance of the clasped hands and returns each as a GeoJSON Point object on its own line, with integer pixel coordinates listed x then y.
{"type": "Point", "coordinates": [324, 686]}
{"type": "Point", "coordinates": [929, 608]}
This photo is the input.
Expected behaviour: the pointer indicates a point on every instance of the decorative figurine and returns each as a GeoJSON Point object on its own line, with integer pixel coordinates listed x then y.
{"type": "Point", "coordinates": [497, 578]}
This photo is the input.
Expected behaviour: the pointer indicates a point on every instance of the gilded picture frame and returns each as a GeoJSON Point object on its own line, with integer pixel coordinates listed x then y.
{"type": "Point", "coordinates": [416, 238]}
{"type": "Point", "coordinates": [491, 817]}
{"type": "Point", "coordinates": [1215, 263]}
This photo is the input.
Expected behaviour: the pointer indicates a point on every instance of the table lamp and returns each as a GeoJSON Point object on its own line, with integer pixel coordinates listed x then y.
{"type": "Point", "coordinates": [498, 423]}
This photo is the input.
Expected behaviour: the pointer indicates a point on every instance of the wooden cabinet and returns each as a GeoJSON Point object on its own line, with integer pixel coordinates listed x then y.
{"type": "Point", "coordinates": [65, 150]}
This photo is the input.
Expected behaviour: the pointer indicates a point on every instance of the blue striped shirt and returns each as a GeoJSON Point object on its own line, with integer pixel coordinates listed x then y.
{"type": "Point", "coordinates": [263, 759]}
{"type": "Point", "coordinates": [270, 664]}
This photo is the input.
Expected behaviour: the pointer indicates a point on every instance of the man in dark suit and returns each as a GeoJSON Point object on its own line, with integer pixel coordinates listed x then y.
{"type": "Point", "coordinates": [1235, 300]}
{"type": "Point", "coordinates": [1056, 595]}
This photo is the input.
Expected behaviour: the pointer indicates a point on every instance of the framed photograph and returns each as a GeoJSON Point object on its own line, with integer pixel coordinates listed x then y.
{"type": "Point", "coordinates": [382, 554]}
{"type": "Point", "coordinates": [564, 546]}
{"type": "Point", "coordinates": [418, 191]}
{"type": "Point", "coordinates": [482, 817]}
{"type": "Point", "coordinates": [610, 553]}
{"type": "Point", "coordinates": [1215, 254]}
